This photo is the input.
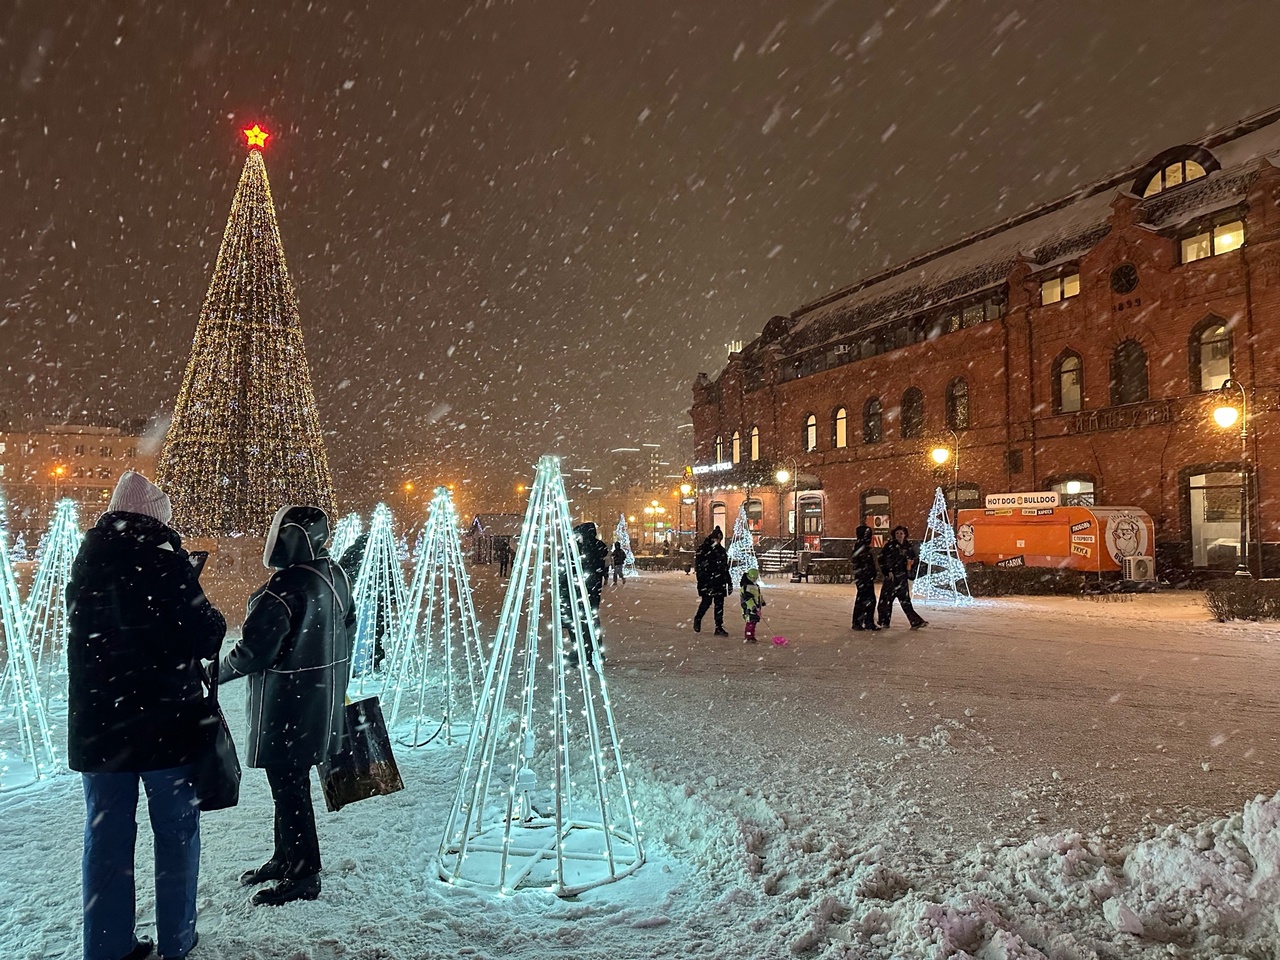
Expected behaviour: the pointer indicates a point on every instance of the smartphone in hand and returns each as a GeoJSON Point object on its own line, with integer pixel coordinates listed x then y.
{"type": "Point", "coordinates": [197, 559]}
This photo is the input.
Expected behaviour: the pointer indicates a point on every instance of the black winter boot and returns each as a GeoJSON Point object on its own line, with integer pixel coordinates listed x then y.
{"type": "Point", "coordinates": [271, 870]}
{"type": "Point", "coordinates": [287, 891]}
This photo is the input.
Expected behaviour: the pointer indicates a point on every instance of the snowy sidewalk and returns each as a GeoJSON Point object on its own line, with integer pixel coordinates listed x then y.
{"type": "Point", "coordinates": [980, 785]}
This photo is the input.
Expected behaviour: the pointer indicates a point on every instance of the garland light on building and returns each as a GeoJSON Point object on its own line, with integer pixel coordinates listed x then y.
{"type": "Point", "coordinates": [438, 666]}
{"type": "Point", "coordinates": [543, 799]}
{"type": "Point", "coordinates": [245, 437]}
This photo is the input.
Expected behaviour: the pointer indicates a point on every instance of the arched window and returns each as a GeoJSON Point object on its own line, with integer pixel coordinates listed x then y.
{"type": "Point", "coordinates": [958, 404]}
{"type": "Point", "coordinates": [1210, 351]}
{"type": "Point", "coordinates": [718, 515]}
{"type": "Point", "coordinates": [736, 446]}
{"type": "Point", "coordinates": [719, 449]}
{"type": "Point", "coordinates": [811, 432]}
{"type": "Point", "coordinates": [1172, 175]}
{"type": "Point", "coordinates": [755, 443]}
{"type": "Point", "coordinates": [871, 421]}
{"type": "Point", "coordinates": [1128, 373]}
{"type": "Point", "coordinates": [912, 413]}
{"type": "Point", "coordinates": [840, 428]}
{"type": "Point", "coordinates": [1068, 383]}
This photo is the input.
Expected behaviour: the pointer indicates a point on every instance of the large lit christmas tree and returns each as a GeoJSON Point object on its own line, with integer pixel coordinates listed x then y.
{"type": "Point", "coordinates": [245, 437]}
{"type": "Point", "coordinates": [438, 666]}
{"type": "Point", "coordinates": [543, 799]}
{"type": "Point", "coordinates": [46, 608]}
{"type": "Point", "coordinates": [742, 551]}
{"type": "Point", "coordinates": [379, 598]}
{"type": "Point", "coordinates": [942, 577]}
{"type": "Point", "coordinates": [623, 536]}
{"type": "Point", "coordinates": [27, 749]}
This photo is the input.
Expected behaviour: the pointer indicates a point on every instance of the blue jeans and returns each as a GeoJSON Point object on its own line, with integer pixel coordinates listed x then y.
{"type": "Point", "coordinates": [110, 829]}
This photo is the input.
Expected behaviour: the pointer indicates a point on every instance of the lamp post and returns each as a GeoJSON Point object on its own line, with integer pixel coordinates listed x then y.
{"type": "Point", "coordinates": [1225, 415]}
{"type": "Point", "coordinates": [57, 473]}
{"type": "Point", "coordinates": [940, 455]}
{"type": "Point", "coordinates": [685, 490]}
{"type": "Point", "coordinates": [783, 475]}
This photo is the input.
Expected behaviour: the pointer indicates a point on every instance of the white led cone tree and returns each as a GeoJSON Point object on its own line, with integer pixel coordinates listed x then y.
{"type": "Point", "coordinates": [345, 532]}
{"type": "Point", "coordinates": [623, 536]}
{"type": "Point", "coordinates": [942, 577]}
{"type": "Point", "coordinates": [379, 598]}
{"type": "Point", "coordinates": [543, 800]}
{"type": "Point", "coordinates": [45, 612]}
{"type": "Point", "coordinates": [27, 751]}
{"type": "Point", "coordinates": [434, 681]}
{"type": "Point", "coordinates": [742, 551]}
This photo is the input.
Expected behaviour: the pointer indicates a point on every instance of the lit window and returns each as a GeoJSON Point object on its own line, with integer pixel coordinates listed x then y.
{"type": "Point", "coordinates": [1060, 288]}
{"type": "Point", "coordinates": [755, 443]}
{"type": "Point", "coordinates": [1211, 355]}
{"type": "Point", "coordinates": [840, 429]}
{"type": "Point", "coordinates": [1173, 175]}
{"type": "Point", "coordinates": [1221, 239]}
{"type": "Point", "coordinates": [719, 449]}
{"type": "Point", "coordinates": [737, 446]}
{"type": "Point", "coordinates": [1067, 384]}
{"type": "Point", "coordinates": [1075, 492]}
{"type": "Point", "coordinates": [811, 433]}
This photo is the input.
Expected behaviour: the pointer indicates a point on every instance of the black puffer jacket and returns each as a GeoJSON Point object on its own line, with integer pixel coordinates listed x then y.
{"type": "Point", "coordinates": [898, 560]}
{"type": "Point", "coordinates": [296, 646]}
{"type": "Point", "coordinates": [711, 564]}
{"type": "Point", "coordinates": [595, 555]}
{"type": "Point", "coordinates": [864, 558]}
{"type": "Point", "coordinates": [137, 623]}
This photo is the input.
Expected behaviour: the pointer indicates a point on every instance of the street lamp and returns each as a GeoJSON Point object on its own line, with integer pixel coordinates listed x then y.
{"type": "Point", "coordinates": [783, 475]}
{"type": "Point", "coordinates": [1225, 415]}
{"type": "Point", "coordinates": [57, 473]}
{"type": "Point", "coordinates": [940, 455]}
{"type": "Point", "coordinates": [685, 490]}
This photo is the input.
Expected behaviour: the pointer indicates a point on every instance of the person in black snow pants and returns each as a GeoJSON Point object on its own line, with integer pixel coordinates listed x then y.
{"type": "Point", "coordinates": [295, 648]}
{"type": "Point", "coordinates": [502, 553]}
{"type": "Point", "coordinates": [864, 578]}
{"type": "Point", "coordinates": [137, 626]}
{"type": "Point", "coordinates": [619, 561]}
{"type": "Point", "coordinates": [711, 564]}
{"type": "Point", "coordinates": [898, 562]}
{"type": "Point", "coordinates": [595, 562]}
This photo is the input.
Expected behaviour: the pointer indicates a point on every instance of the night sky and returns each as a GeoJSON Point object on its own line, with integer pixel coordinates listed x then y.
{"type": "Point", "coordinates": [523, 227]}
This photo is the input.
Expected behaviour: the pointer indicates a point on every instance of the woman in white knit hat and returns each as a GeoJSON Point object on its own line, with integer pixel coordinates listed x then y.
{"type": "Point", "coordinates": [138, 622]}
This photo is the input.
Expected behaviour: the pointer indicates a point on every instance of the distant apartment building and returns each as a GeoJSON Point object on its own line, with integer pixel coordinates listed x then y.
{"type": "Point", "coordinates": [39, 466]}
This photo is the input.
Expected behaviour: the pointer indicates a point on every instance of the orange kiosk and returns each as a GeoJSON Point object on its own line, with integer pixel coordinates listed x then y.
{"type": "Point", "coordinates": [1034, 530]}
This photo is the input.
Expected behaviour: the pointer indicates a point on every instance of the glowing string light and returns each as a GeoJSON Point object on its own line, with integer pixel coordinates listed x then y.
{"type": "Point", "coordinates": [439, 661]}
{"type": "Point", "coordinates": [379, 598]}
{"type": "Point", "coordinates": [543, 801]}
{"type": "Point", "coordinates": [622, 535]}
{"type": "Point", "coordinates": [942, 577]}
{"type": "Point", "coordinates": [46, 608]}
{"type": "Point", "coordinates": [27, 750]}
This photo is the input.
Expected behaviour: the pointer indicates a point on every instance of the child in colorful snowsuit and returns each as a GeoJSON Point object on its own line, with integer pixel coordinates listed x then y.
{"type": "Point", "coordinates": [752, 600]}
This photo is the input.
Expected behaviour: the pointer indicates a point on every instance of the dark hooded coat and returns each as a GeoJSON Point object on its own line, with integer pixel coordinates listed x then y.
{"type": "Point", "coordinates": [137, 623]}
{"type": "Point", "coordinates": [595, 557]}
{"type": "Point", "coordinates": [296, 646]}
{"type": "Point", "coordinates": [711, 564]}
{"type": "Point", "coordinates": [864, 558]}
{"type": "Point", "coordinates": [898, 560]}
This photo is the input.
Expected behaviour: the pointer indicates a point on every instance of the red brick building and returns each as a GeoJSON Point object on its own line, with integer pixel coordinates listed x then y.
{"type": "Point", "coordinates": [1080, 347]}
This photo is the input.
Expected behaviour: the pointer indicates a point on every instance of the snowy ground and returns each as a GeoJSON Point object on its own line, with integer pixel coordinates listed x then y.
{"type": "Point", "coordinates": [996, 786]}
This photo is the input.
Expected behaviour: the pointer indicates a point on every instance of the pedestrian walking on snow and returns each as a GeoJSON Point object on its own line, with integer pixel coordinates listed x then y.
{"type": "Point", "coordinates": [898, 562]}
{"type": "Point", "coordinates": [295, 648]}
{"type": "Point", "coordinates": [711, 564]}
{"type": "Point", "coordinates": [619, 561]}
{"type": "Point", "coordinates": [752, 599]}
{"type": "Point", "coordinates": [138, 625]}
{"type": "Point", "coordinates": [864, 578]}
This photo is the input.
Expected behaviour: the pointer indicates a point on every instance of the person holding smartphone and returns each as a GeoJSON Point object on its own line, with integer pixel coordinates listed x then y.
{"type": "Point", "coordinates": [138, 623]}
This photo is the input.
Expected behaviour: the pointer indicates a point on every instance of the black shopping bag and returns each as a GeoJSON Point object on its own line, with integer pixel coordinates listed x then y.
{"type": "Point", "coordinates": [363, 766]}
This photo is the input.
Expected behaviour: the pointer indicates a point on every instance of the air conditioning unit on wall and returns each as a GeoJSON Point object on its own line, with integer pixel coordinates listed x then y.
{"type": "Point", "coordinates": [1138, 568]}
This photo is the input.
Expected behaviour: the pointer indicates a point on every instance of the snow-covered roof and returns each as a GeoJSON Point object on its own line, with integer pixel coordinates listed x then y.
{"type": "Point", "coordinates": [1049, 235]}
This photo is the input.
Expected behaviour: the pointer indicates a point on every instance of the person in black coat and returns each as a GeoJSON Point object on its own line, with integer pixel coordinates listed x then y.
{"type": "Point", "coordinates": [898, 561]}
{"type": "Point", "coordinates": [138, 624]}
{"type": "Point", "coordinates": [864, 578]}
{"type": "Point", "coordinates": [711, 564]}
{"type": "Point", "coordinates": [619, 562]}
{"type": "Point", "coordinates": [595, 560]}
{"type": "Point", "coordinates": [295, 649]}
